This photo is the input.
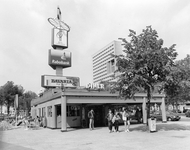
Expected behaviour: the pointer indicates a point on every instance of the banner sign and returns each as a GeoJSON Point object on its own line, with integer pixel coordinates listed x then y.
{"type": "Point", "coordinates": [59, 58]}
{"type": "Point", "coordinates": [59, 38]}
{"type": "Point", "coordinates": [58, 81]}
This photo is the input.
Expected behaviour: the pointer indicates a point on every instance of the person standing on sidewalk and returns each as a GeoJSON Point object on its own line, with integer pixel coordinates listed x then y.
{"type": "Point", "coordinates": [139, 114]}
{"type": "Point", "coordinates": [116, 119]}
{"type": "Point", "coordinates": [110, 117]}
{"type": "Point", "coordinates": [91, 119]}
{"type": "Point", "coordinates": [128, 120]}
{"type": "Point", "coordinates": [124, 117]}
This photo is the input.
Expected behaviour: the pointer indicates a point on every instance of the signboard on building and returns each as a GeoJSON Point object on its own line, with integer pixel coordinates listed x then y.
{"type": "Point", "coordinates": [95, 87]}
{"type": "Point", "coordinates": [59, 38]}
{"type": "Point", "coordinates": [58, 81]}
{"type": "Point", "coordinates": [59, 58]}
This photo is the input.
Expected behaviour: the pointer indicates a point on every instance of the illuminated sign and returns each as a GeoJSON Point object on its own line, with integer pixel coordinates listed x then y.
{"type": "Point", "coordinates": [59, 58]}
{"type": "Point", "coordinates": [59, 38]}
{"type": "Point", "coordinates": [58, 81]}
{"type": "Point", "coordinates": [95, 86]}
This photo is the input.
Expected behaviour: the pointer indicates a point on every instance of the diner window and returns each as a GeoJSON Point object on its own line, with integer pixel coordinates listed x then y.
{"type": "Point", "coordinates": [73, 110]}
{"type": "Point", "coordinates": [35, 112]}
{"type": "Point", "coordinates": [39, 112]}
{"type": "Point", "coordinates": [43, 111]}
{"type": "Point", "coordinates": [49, 111]}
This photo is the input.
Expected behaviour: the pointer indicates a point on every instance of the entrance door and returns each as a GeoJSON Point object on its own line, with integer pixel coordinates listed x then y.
{"type": "Point", "coordinates": [58, 107]}
{"type": "Point", "coordinates": [99, 115]}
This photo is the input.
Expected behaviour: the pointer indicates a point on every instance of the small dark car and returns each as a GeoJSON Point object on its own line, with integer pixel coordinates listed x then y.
{"type": "Point", "coordinates": [2, 117]}
{"type": "Point", "coordinates": [169, 115]}
{"type": "Point", "coordinates": [187, 114]}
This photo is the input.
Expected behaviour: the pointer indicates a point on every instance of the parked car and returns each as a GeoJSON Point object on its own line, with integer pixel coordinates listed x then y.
{"type": "Point", "coordinates": [170, 116]}
{"type": "Point", "coordinates": [2, 116]}
{"type": "Point", "coordinates": [187, 114]}
{"type": "Point", "coordinates": [178, 111]}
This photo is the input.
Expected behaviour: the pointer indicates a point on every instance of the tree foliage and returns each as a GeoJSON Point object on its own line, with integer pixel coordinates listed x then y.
{"type": "Point", "coordinates": [144, 64]}
{"type": "Point", "coordinates": [8, 92]}
{"type": "Point", "coordinates": [177, 86]}
{"type": "Point", "coordinates": [25, 101]}
{"type": "Point", "coordinates": [7, 96]}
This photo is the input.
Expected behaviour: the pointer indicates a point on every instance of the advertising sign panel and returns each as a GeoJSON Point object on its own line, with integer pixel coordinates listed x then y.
{"type": "Point", "coordinates": [58, 81]}
{"type": "Point", "coordinates": [95, 86]}
{"type": "Point", "coordinates": [59, 58]}
{"type": "Point", "coordinates": [59, 38]}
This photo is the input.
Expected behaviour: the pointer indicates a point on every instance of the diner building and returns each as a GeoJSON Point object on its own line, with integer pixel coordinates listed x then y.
{"type": "Point", "coordinates": [64, 108]}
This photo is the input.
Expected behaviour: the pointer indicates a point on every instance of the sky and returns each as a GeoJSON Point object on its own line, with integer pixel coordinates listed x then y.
{"type": "Point", "coordinates": [25, 33]}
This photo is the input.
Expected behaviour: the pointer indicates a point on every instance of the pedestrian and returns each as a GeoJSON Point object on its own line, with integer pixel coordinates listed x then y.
{"type": "Point", "coordinates": [126, 120]}
{"type": "Point", "coordinates": [139, 115]}
{"type": "Point", "coordinates": [110, 117]}
{"type": "Point", "coordinates": [37, 121]}
{"type": "Point", "coordinates": [41, 121]}
{"type": "Point", "coordinates": [91, 119]}
{"type": "Point", "coordinates": [124, 117]}
{"type": "Point", "coordinates": [115, 120]}
{"type": "Point", "coordinates": [26, 123]}
{"type": "Point", "coordinates": [44, 122]}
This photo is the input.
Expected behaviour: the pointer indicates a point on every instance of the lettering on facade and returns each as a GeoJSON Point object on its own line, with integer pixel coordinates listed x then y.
{"type": "Point", "coordinates": [60, 62]}
{"type": "Point", "coordinates": [61, 81]}
{"type": "Point", "coordinates": [95, 86]}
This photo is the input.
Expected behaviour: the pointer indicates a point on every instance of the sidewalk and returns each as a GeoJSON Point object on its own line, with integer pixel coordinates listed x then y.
{"type": "Point", "coordinates": [170, 136]}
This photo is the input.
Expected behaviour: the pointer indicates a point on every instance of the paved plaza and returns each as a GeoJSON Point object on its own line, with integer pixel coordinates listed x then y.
{"type": "Point", "coordinates": [169, 136]}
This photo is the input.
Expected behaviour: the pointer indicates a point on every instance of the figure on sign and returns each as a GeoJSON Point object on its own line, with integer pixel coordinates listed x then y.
{"type": "Point", "coordinates": [63, 56]}
{"type": "Point", "coordinates": [58, 13]}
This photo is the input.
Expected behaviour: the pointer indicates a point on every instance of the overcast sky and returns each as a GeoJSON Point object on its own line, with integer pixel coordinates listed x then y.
{"type": "Point", "coordinates": [25, 34]}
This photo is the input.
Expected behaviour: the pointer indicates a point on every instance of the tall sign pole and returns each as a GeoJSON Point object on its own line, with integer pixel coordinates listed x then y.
{"type": "Point", "coordinates": [59, 57]}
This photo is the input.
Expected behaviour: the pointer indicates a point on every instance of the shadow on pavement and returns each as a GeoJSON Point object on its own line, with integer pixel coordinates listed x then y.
{"type": "Point", "coordinates": [12, 128]}
{"type": "Point", "coordinates": [74, 129]}
{"type": "Point", "coordinates": [8, 146]}
{"type": "Point", "coordinates": [162, 127]}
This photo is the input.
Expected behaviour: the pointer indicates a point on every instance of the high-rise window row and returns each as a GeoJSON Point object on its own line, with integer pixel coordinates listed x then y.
{"type": "Point", "coordinates": [104, 65]}
{"type": "Point", "coordinates": [103, 50]}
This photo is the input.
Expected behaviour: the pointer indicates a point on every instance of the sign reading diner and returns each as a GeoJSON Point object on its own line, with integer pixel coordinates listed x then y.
{"type": "Point", "coordinates": [95, 86]}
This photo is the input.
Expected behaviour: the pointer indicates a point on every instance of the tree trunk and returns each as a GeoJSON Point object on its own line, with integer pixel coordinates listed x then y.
{"type": "Point", "coordinates": [176, 106]}
{"type": "Point", "coordinates": [173, 105]}
{"type": "Point", "coordinates": [8, 107]}
{"type": "Point", "coordinates": [148, 103]}
{"type": "Point", "coordinates": [1, 108]}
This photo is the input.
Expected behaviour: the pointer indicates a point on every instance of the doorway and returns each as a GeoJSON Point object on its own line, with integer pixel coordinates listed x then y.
{"type": "Point", "coordinates": [99, 111]}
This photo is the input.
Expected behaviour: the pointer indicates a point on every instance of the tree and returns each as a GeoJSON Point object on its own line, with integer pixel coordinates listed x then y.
{"type": "Point", "coordinates": [184, 65]}
{"type": "Point", "coordinates": [25, 101]}
{"type": "Point", "coordinates": [145, 63]}
{"type": "Point", "coordinates": [173, 86]}
{"type": "Point", "coordinates": [1, 98]}
{"type": "Point", "coordinates": [177, 86]}
{"type": "Point", "coordinates": [9, 90]}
